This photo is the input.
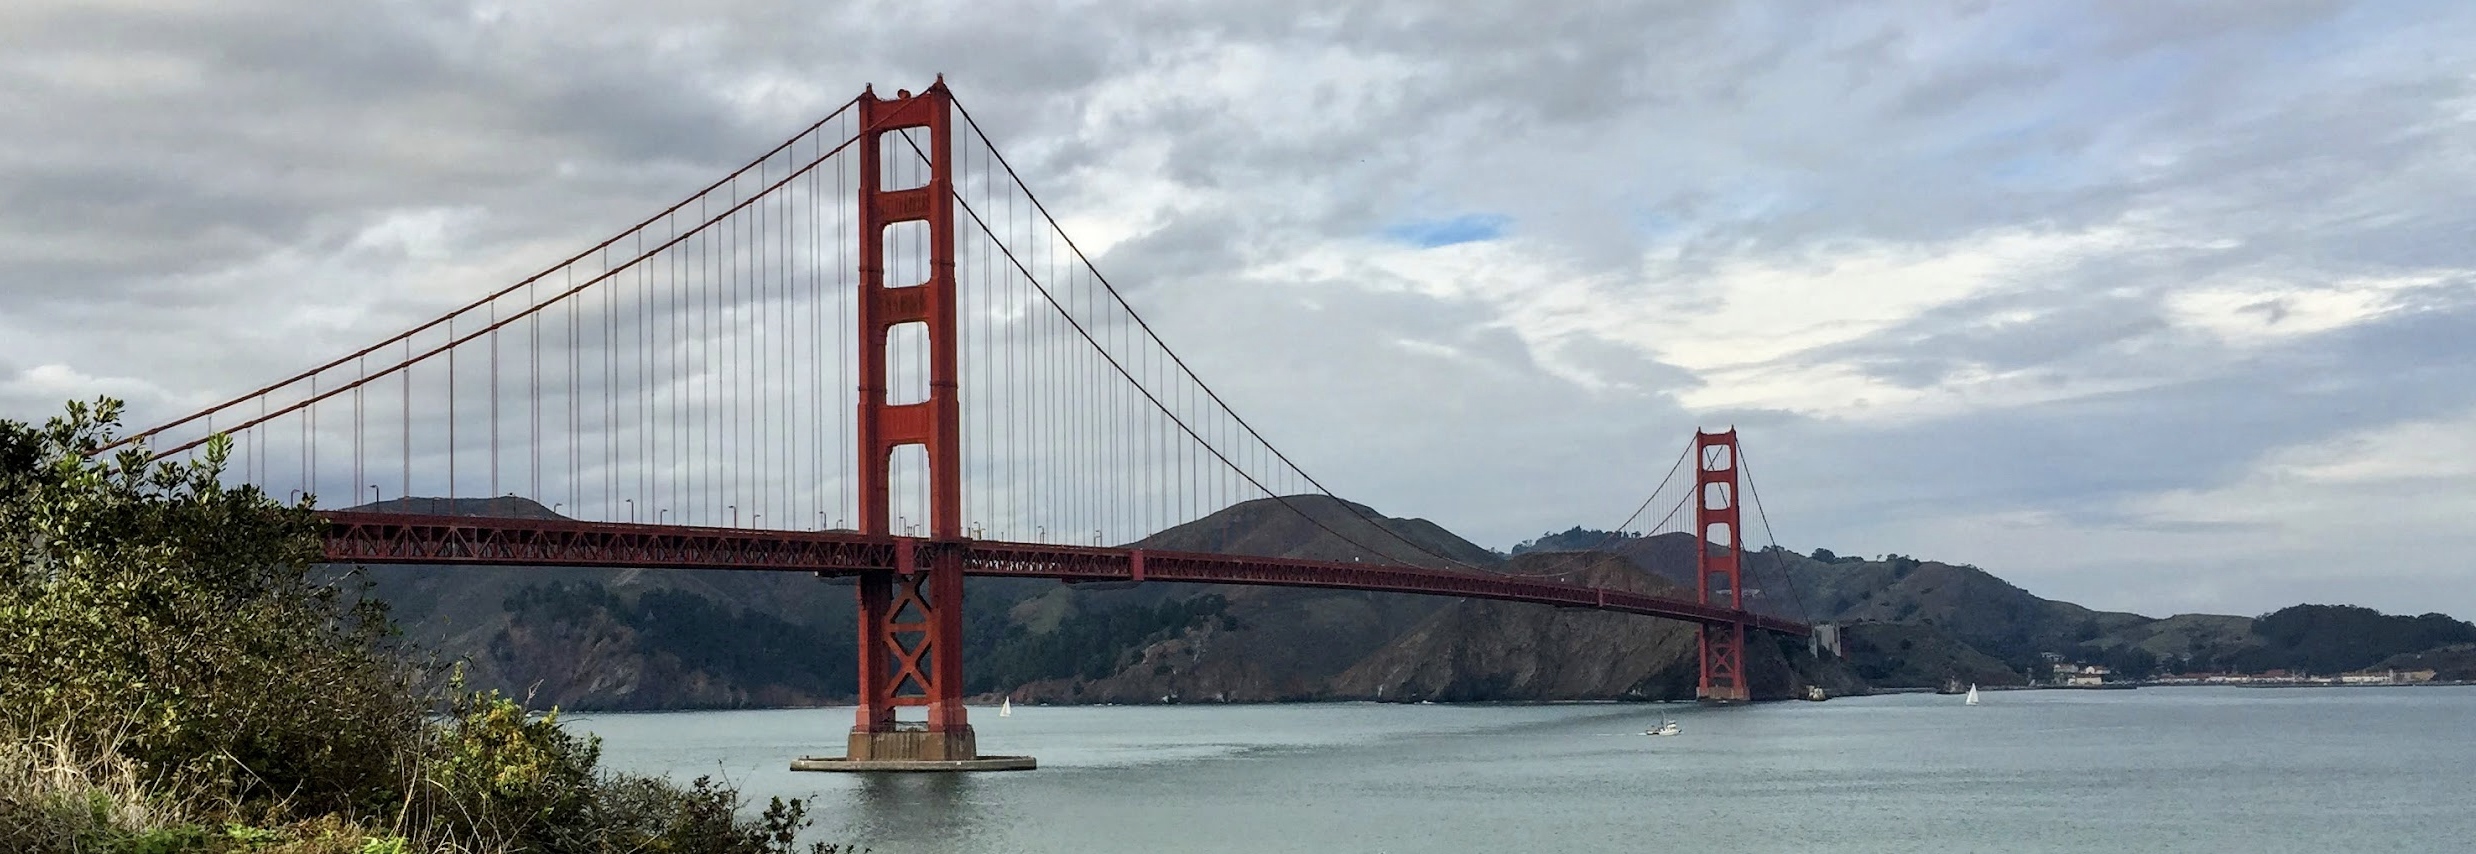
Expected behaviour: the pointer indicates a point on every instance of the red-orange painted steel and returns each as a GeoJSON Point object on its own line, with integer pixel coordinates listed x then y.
{"type": "Point", "coordinates": [1722, 542]}
{"type": "Point", "coordinates": [935, 424]}
{"type": "Point", "coordinates": [401, 538]}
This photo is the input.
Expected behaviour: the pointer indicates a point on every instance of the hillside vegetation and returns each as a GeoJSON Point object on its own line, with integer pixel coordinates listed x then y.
{"type": "Point", "coordinates": [649, 639]}
{"type": "Point", "coordinates": [2340, 638]}
{"type": "Point", "coordinates": [1920, 623]}
{"type": "Point", "coordinates": [654, 639]}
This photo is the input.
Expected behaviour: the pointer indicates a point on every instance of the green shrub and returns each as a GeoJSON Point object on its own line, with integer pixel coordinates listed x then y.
{"type": "Point", "coordinates": [148, 607]}
{"type": "Point", "coordinates": [500, 773]}
{"type": "Point", "coordinates": [177, 681]}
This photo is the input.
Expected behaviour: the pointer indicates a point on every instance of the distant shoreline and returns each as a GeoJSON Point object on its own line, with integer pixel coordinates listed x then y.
{"type": "Point", "coordinates": [1886, 692]}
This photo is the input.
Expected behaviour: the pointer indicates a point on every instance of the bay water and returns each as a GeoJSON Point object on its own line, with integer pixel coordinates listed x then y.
{"type": "Point", "coordinates": [2155, 770]}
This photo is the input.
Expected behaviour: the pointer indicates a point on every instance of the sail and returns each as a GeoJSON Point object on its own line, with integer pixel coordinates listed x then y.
{"type": "Point", "coordinates": [1005, 708]}
{"type": "Point", "coordinates": [1972, 700]}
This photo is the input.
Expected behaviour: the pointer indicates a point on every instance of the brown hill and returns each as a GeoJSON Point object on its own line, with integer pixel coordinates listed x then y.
{"type": "Point", "coordinates": [593, 661]}
{"type": "Point", "coordinates": [1318, 527]}
{"type": "Point", "coordinates": [644, 639]}
{"type": "Point", "coordinates": [1912, 655]}
{"type": "Point", "coordinates": [1957, 621]}
{"type": "Point", "coordinates": [1280, 643]}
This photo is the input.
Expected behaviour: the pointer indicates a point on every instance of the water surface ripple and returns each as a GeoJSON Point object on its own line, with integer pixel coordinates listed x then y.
{"type": "Point", "coordinates": [2154, 770]}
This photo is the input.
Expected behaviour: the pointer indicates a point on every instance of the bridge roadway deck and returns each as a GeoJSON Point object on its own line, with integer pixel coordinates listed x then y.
{"type": "Point", "coordinates": [402, 538]}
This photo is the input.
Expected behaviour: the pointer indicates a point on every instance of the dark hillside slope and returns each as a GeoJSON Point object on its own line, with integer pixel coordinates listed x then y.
{"type": "Point", "coordinates": [2327, 639]}
{"type": "Point", "coordinates": [1913, 655]}
{"type": "Point", "coordinates": [1965, 622]}
{"type": "Point", "coordinates": [592, 639]}
{"type": "Point", "coordinates": [615, 639]}
{"type": "Point", "coordinates": [1477, 649]}
{"type": "Point", "coordinates": [1317, 527]}
{"type": "Point", "coordinates": [1270, 643]}
{"type": "Point", "coordinates": [2455, 663]}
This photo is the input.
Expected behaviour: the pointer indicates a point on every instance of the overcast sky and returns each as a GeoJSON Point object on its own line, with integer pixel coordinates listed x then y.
{"type": "Point", "coordinates": [2159, 307]}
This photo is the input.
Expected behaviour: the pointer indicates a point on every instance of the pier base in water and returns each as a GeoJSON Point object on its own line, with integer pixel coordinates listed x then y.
{"type": "Point", "coordinates": [1723, 696]}
{"type": "Point", "coordinates": [979, 763]}
{"type": "Point", "coordinates": [913, 750]}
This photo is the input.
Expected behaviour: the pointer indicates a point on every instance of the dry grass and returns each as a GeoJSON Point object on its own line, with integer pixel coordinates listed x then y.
{"type": "Point", "coordinates": [52, 798]}
{"type": "Point", "coordinates": [56, 799]}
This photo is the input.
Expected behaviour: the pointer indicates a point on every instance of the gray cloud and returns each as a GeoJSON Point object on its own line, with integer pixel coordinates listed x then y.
{"type": "Point", "coordinates": [202, 197]}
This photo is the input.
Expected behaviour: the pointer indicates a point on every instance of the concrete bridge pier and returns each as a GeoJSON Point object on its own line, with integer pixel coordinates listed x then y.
{"type": "Point", "coordinates": [913, 749]}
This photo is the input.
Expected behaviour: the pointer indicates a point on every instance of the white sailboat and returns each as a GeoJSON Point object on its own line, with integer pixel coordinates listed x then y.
{"type": "Point", "coordinates": [1005, 707]}
{"type": "Point", "coordinates": [1666, 727]}
{"type": "Point", "coordinates": [1972, 700]}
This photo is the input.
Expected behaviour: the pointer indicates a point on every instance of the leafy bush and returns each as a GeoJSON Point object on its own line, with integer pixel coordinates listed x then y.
{"type": "Point", "coordinates": [504, 777]}
{"type": "Point", "coordinates": [177, 682]}
{"type": "Point", "coordinates": [504, 774]}
{"type": "Point", "coordinates": [147, 609]}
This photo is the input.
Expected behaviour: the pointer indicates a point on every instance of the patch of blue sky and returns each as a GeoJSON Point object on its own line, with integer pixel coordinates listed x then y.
{"type": "Point", "coordinates": [1466, 228]}
{"type": "Point", "coordinates": [1660, 225]}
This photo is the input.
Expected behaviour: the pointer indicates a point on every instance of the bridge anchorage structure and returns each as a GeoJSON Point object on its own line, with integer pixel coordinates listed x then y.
{"type": "Point", "coordinates": [699, 364]}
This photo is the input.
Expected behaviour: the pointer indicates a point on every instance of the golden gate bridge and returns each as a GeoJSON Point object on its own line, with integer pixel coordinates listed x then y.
{"type": "Point", "coordinates": [871, 352]}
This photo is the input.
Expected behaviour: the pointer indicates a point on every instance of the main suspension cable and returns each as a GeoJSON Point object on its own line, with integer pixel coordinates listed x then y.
{"type": "Point", "coordinates": [1778, 558]}
{"type": "Point", "coordinates": [1198, 381]}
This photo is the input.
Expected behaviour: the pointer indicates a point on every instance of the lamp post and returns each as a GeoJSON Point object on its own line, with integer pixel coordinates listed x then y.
{"type": "Point", "coordinates": [631, 510]}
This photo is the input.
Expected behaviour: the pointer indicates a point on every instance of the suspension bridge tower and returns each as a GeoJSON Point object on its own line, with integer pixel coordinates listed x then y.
{"type": "Point", "coordinates": [911, 615]}
{"type": "Point", "coordinates": [1718, 561]}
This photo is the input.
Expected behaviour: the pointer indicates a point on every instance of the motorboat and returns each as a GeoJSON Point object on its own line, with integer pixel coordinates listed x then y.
{"type": "Point", "coordinates": [1665, 727]}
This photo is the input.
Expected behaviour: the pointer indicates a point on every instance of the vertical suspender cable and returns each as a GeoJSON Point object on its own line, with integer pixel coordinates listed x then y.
{"type": "Point", "coordinates": [494, 400]}
{"type": "Point", "coordinates": [533, 377]}
{"type": "Point", "coordinates": [761, 310]}
{"type": "Point", "coordinates": [451, 417]}
{"type": "Point", "coordinates": [404, 488]}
